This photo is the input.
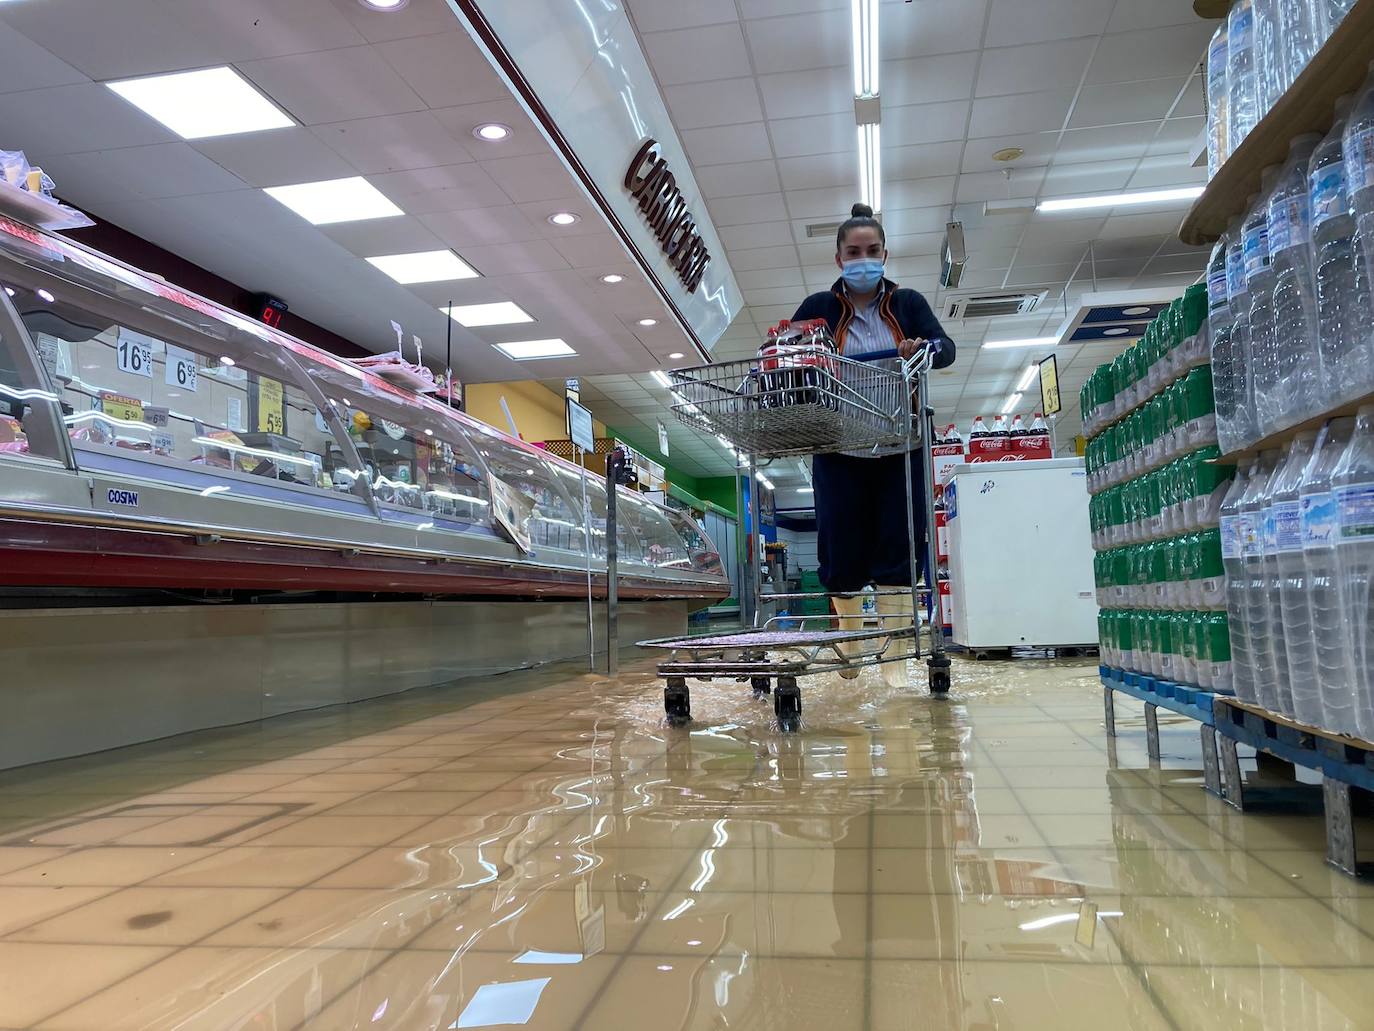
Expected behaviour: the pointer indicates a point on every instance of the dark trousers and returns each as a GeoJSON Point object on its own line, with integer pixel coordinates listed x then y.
{"type": "Point", "coordinates": [861, 523]}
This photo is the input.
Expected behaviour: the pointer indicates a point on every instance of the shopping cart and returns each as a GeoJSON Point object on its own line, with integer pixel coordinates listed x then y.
{"type": "Point", "coordinates": [768, 412]}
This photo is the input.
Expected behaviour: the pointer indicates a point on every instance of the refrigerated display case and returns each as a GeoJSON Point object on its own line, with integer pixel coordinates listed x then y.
{"type": "Point", "coordinates": [151, 438]}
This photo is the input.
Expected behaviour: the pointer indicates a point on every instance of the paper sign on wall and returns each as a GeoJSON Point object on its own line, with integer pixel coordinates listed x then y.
{"type": "Point", "coordinates": [234, 414]}
{"type": "Point", "coordinates": [181, 369]}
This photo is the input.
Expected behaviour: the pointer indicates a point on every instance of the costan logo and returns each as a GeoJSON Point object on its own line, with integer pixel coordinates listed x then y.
{"type": "Point", "coordinates": [122, 497]}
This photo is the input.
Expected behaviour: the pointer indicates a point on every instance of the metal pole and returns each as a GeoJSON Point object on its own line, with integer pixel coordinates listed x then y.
{"type": "Point", "coordinates": [755, 543]}
{"type": "Point", "coordinates": [614, 462]}
{"type": "Point", "coordinates": [937, 619]}
{"type": "Point", "coordinates": [741, 560]}
{"type": "Point", "coordinates": [587, 544]}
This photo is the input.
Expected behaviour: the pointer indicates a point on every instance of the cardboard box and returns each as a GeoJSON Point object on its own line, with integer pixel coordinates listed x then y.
{"type": "Point", "coordinates": [946, 604]}
{"type": "Point", "coordinates": [943, 458]}
{"type": "Point", "coordinates": [1009, 449]}
{"type": "Point", "coordinates": [1032, 448]}
{"type": "Point", "coordinates": [942, 536]}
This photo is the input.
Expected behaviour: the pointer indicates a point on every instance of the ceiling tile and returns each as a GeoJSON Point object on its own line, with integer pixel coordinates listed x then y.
{"type": "Point", "coordinates": [800, 41]}
{"type": "Point", "coordinates": [162, 170]}
{"type": "Point", "coordinates": [738, 180]}
{"type": "Point", "coordinates": [823, 134]}
{"type": "Point", "coordinates": [733, 211]}
{"type": "Point", "coordinates": [333, 85]}
{"type": "Point", "coordinates": [525, 138]}
{"type": "Point", "coordinates": [276, 158]}
{"type": "Point", "coordinates": [762, 278]}
{"type": "Point", "coordinates": [1128, 15]}
{"type": "Point", "coordinates": [1017, 21]}
{"type": "Point", "coordinates": [696, 105]}
{"type": "Point", "coordinates": [1150, 53]}
{"type": "Point", "coordinates": [816, 171]}
{"type": "Point", "coordinates": [926, 123]}
{"type": "Point", "coordinates": [533, 178]}
{"type": "Point", "coordinates": [918, 193]}
{"type": "Point", "coordinates": [817, 91]}
{"type": "Point", "coordinates": [1087, 177]}
{"type": "Point", "coordinates": [926, 27]}
{"type": "Point", "coordinates": [1178, 136]}
{"type": "Point", "coordinates": [441, 188]}
{"type": "Point", "coordinates": [585, 251]}
{"type": "Point", "coordinates": [762, 234]}
{"type": "Point", "coordinates": [829, 204]}
{"type": "Point", "coordinates": [1107, 143]}
{"type": "Point", "coordinates": [421, 19]}
{"type": "Point", "coordinates": [698, 54]}
{"type": "Point", "coordinates": [728, 144]}
{"type": "Point", "coordinates": [920, 162]}
{"type": "Point", "coordinates": [1034, 66]}
{"type": "Point", "coordinates": [377, 236]}
{"type": "Point", "coordinates": [389, 143]}
{"type": "Point", "coordinates": [445, 70]}
{"type": "Point", "coordinates": [75, 119]}
{"type": "Point", "coordinates": [511, 259]}
{"type": "Point", "coordinates": [1167, 170]}
{"type": "Point", "coordinates": [1023, 182]}
{"type": "Point", "coordinates": [28, 66]}
{"type": "Point", "coordinates": [928, 80]}
{"type": "Point", "coordinates": [1021, 113]}
{"type": "Point", "coordinates": [663, 15]}
{"type": "Point", "coordinates": [1115, 103]}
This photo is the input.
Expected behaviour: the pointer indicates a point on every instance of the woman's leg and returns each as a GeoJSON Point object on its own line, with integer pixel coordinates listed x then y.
{"type": "Point", "coordinates": [892, 555]}
{"type": "Point", "coordinates": [843, 529]}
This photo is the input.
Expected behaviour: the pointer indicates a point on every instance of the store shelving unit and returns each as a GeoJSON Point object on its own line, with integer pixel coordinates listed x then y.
{"type": "Point", "coordinates": [1280, 438]}
{"type": "Point", "coordinates": [1183, 699]}
{"type": "Point", "coordinates": [1338, 68]}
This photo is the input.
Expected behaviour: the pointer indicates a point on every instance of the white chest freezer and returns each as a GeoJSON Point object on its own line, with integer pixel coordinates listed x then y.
{"type": "Point", "coordinates": [1021, 558]}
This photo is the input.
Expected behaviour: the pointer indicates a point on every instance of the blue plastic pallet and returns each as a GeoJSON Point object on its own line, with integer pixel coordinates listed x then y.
{"type": "Point", "coordinates": [1184, 699]}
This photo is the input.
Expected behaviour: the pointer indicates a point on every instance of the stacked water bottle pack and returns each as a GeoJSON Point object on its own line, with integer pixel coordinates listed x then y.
{"type": "Point", "coordinates": [1157, 486]}
{"type": "Point", "coordinates": [1297, 528]}
{"type": "Point", "coordinates": [1288, 285]}
{"type": "Point", "coordinates": [1254, 56]}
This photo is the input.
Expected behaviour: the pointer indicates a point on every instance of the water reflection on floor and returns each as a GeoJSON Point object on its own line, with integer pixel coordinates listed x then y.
{"type": "Point", "coordinates": [539, 850]}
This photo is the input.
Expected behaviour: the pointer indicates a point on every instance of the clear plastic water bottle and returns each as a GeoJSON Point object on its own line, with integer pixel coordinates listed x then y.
{"type": "Point", "coordinates": [1344, 318]}
{"type": "Point", "coordinates": [1218, 103]}
{"type": "Point", "coordinates": [1334, 13]}
{"type": "Point", "coordinates": [1357, 144]}
{"type": "Point", "coordinates": [1232, 561]}
{"type": "Point", "coordinates": [1352, 485]}
{"type": "Point", "coordinates": [1259, 278]}
{"type": "Point", "coordinates": [1240, 70]}
{"type": "Point", "coordinates": [1299, 393]}
{"type": "Point", "coordinates": [1300, 33]}
{"type": "Point", "coordinates": [1220, 322]}
{"type": "Point", "coordinates": [1256, 580]}
{"type": "Point", "coordinates": [1268, 55]}
{"type": "Point", "coordinates": [1288, 610]}
{"type": "Point", "coordinates": [1297, 601]}
{"type": "Point", "coordinates": [1240, 374]}
{"type": "Point", "coordinates": [1317, 519]}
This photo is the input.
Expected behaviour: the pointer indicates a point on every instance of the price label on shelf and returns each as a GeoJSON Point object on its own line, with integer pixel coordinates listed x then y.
{"type": "Point", "coordinates": [118, 406]}
{"type": "Point", "coordinates": [134, 353]}
{"type": "Point", "coordinates": [271, 406]}
{"type": "Point", "coordinates": [181, 369]}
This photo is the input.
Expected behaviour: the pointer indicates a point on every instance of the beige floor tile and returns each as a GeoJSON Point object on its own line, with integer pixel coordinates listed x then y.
{"type": "Point", "coordinates": [1263, 999]}
{"type": "Point", "coordinates": [149, 916]}
{"type": "Point", "coordinates": [211, 989]}
{"type": "Point", "coordinates": [339, 918]}
{"type": "Point", "coordinates": [1067, 997]}
{"type": "Point", "coordinates": [219, 825]}
{"type": "Point", "coordinates": [449, 866]}
{"type": "Point", "coordinates": [23, 904]}
{"type": "Point", "coordinates": [259, 866]}
{"type": "Point", "coordinates": [116, 866]}
{"type": "Point", "coordinates": [672, 992]}
{"type": "Point", "coordinates": [994, 928]}
{"type": "Point", "coordinates": [242, 783]}
{"type": "Point", "coordinates": [38, 980]}
{"type": "Point", "coordinates": [476, 780]}
{"type": "Point", "coordinates": [343, 831]}
{"type": "Point", "coordinates": [359, 783]}
{"type": "Point", "coordinates": [968, 827]}
{"type": "Point", "coordinates": [416, 989]}
{"type": "Point", "coordinates": [17, 857]}
{"type": "Point", "coordinates": [405, 803]}
{"type": "Point", "coordinates": [95, 830]}
{"type": "Point", "coordinates": [776, 924]}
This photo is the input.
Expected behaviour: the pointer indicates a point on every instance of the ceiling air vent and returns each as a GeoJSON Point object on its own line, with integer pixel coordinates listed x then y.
{"type": "Point", "coordinates": [822, 229]}
{"type": "Point", "coordinates": [990, 304]}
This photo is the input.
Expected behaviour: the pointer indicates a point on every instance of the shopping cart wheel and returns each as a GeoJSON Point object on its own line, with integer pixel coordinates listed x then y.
{"type": "Point", "coordinates": [761, 686]}
{"type": "Point", "coordinates": [939, 675]}
{"type": "Point", "coordinates": [787, 704]}
{"type": "Point", "coordinates": [677, 701]}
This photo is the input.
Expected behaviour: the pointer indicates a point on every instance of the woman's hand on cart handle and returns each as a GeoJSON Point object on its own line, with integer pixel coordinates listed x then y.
{"type": "Point", "coordinates": [909, 347]}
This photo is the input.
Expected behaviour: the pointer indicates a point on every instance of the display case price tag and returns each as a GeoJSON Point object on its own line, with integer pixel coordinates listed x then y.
{"type": "Point", "coordinates": [135, 353]}
{"type": "Point", "coordinates": [117, 406]}
{"type": "Point", "coordinates": [271, 406]}
{"type": "Point", "coordinates": [181, 369]}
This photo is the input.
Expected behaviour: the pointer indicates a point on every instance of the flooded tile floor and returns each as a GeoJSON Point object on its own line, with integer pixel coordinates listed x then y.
{"type": "Point", "coordinates": [539, 851]}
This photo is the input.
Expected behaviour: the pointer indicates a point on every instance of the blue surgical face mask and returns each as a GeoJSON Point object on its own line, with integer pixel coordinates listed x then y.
{"type": "Point", "coordinates": [862, 274]}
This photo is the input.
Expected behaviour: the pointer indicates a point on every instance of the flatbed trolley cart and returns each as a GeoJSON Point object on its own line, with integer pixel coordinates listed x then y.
{"type": "Point", "coordinates": [874, 402]}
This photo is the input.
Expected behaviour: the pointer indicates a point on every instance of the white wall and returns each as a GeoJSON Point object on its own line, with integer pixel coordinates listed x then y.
{"type": "Point", "coordinates": [801, 549]}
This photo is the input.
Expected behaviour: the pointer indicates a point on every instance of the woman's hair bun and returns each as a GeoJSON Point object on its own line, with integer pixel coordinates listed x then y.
{"type": "Point", "coordinates": [861, 211]}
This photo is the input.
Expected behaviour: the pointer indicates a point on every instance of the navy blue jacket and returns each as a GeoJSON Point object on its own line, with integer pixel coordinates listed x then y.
{"type": "Point", "coordinates": [906, 312]}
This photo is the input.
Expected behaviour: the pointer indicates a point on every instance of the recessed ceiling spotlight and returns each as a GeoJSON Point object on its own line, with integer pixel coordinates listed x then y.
{"type": "Point", "coordinates": [46, 296]}
{"type": "Point", "coordinates": [676, 355]}
{"type": "Point", "coordinates": [383, 5]}
{"type": "Point", "coordinates": [225, 360]}
{"type": "Point", "coordinates": [613, 279]}
{"type": "Point", "coordinates": [492, 132]}
{"type": "Point", "coordinates": [1008, 154]}
{"type": "Point", "coordinates": [648, 322]}
{"type": "Point", "coordinates": [1116, 331]}
{"type": "Point", "coordinates": [1139, 309]}
{"type": "Point", "coordinates": [564, 218]}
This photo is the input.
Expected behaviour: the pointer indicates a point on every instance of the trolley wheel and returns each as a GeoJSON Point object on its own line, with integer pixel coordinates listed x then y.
{"type": "Point", "coordinates": [761, 686]}
{"type": "Point", "coordinates": [787, 704]}
{"type": "Point", "coordinates": [939, 675]}
{"type": "Point", "coordinates": [677, 701]}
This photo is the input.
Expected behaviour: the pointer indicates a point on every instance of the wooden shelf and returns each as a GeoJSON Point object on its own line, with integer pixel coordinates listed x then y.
{"type": "Point", "coordinates": [1282, 437]}
{"type": "Point", "coordinates": [1339, 67]}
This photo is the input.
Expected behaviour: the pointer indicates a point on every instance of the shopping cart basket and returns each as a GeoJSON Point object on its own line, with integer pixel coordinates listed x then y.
{"type": "Point", "coordinates": [770, 410]}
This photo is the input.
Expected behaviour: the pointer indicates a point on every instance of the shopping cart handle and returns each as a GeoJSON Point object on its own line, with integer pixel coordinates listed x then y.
{"type": "Point", "coordinates": [891, 352]}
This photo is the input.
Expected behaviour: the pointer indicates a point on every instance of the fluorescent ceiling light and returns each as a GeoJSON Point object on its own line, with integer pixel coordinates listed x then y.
{"type": "Point", "coordinates": [1012, 402]}
{"type": "Point", "coordinates": [335, 200]}
{"type": "Point", "coordinates": [1114, 200]}
{"type": "Point", "coordinates": [661, 378]}
{"type": "Point", "coordinates": [806, 490]}
{"type": "Point", "coordinates": [528, 350]}
{"type": "Point", "coordinates": [864, 18]}
{"type": "Point", "coordinates": [1027, 377]}
{"type": "Point", "coordinates": [871, 166]}
{"type": "Point", "coordinates": [424, 267]}
{"type": "Point", "coordinates": [500, 313]}
{"type": "Point", "coordinates": [205, 103]}
{"type": "Point", "coordinates": [1025, 342]}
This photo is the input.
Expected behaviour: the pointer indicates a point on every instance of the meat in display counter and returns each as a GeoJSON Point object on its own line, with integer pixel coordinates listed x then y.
{"type": "Point", "coordinates": [150, 438]}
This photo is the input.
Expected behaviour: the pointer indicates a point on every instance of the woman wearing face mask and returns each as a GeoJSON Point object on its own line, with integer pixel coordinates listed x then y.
{"type": "Point", "coordinates": [861, 499]}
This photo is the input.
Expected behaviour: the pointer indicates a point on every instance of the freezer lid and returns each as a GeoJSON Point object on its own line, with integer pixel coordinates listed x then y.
{"type": "Point", "coordinates": [983, 468]}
